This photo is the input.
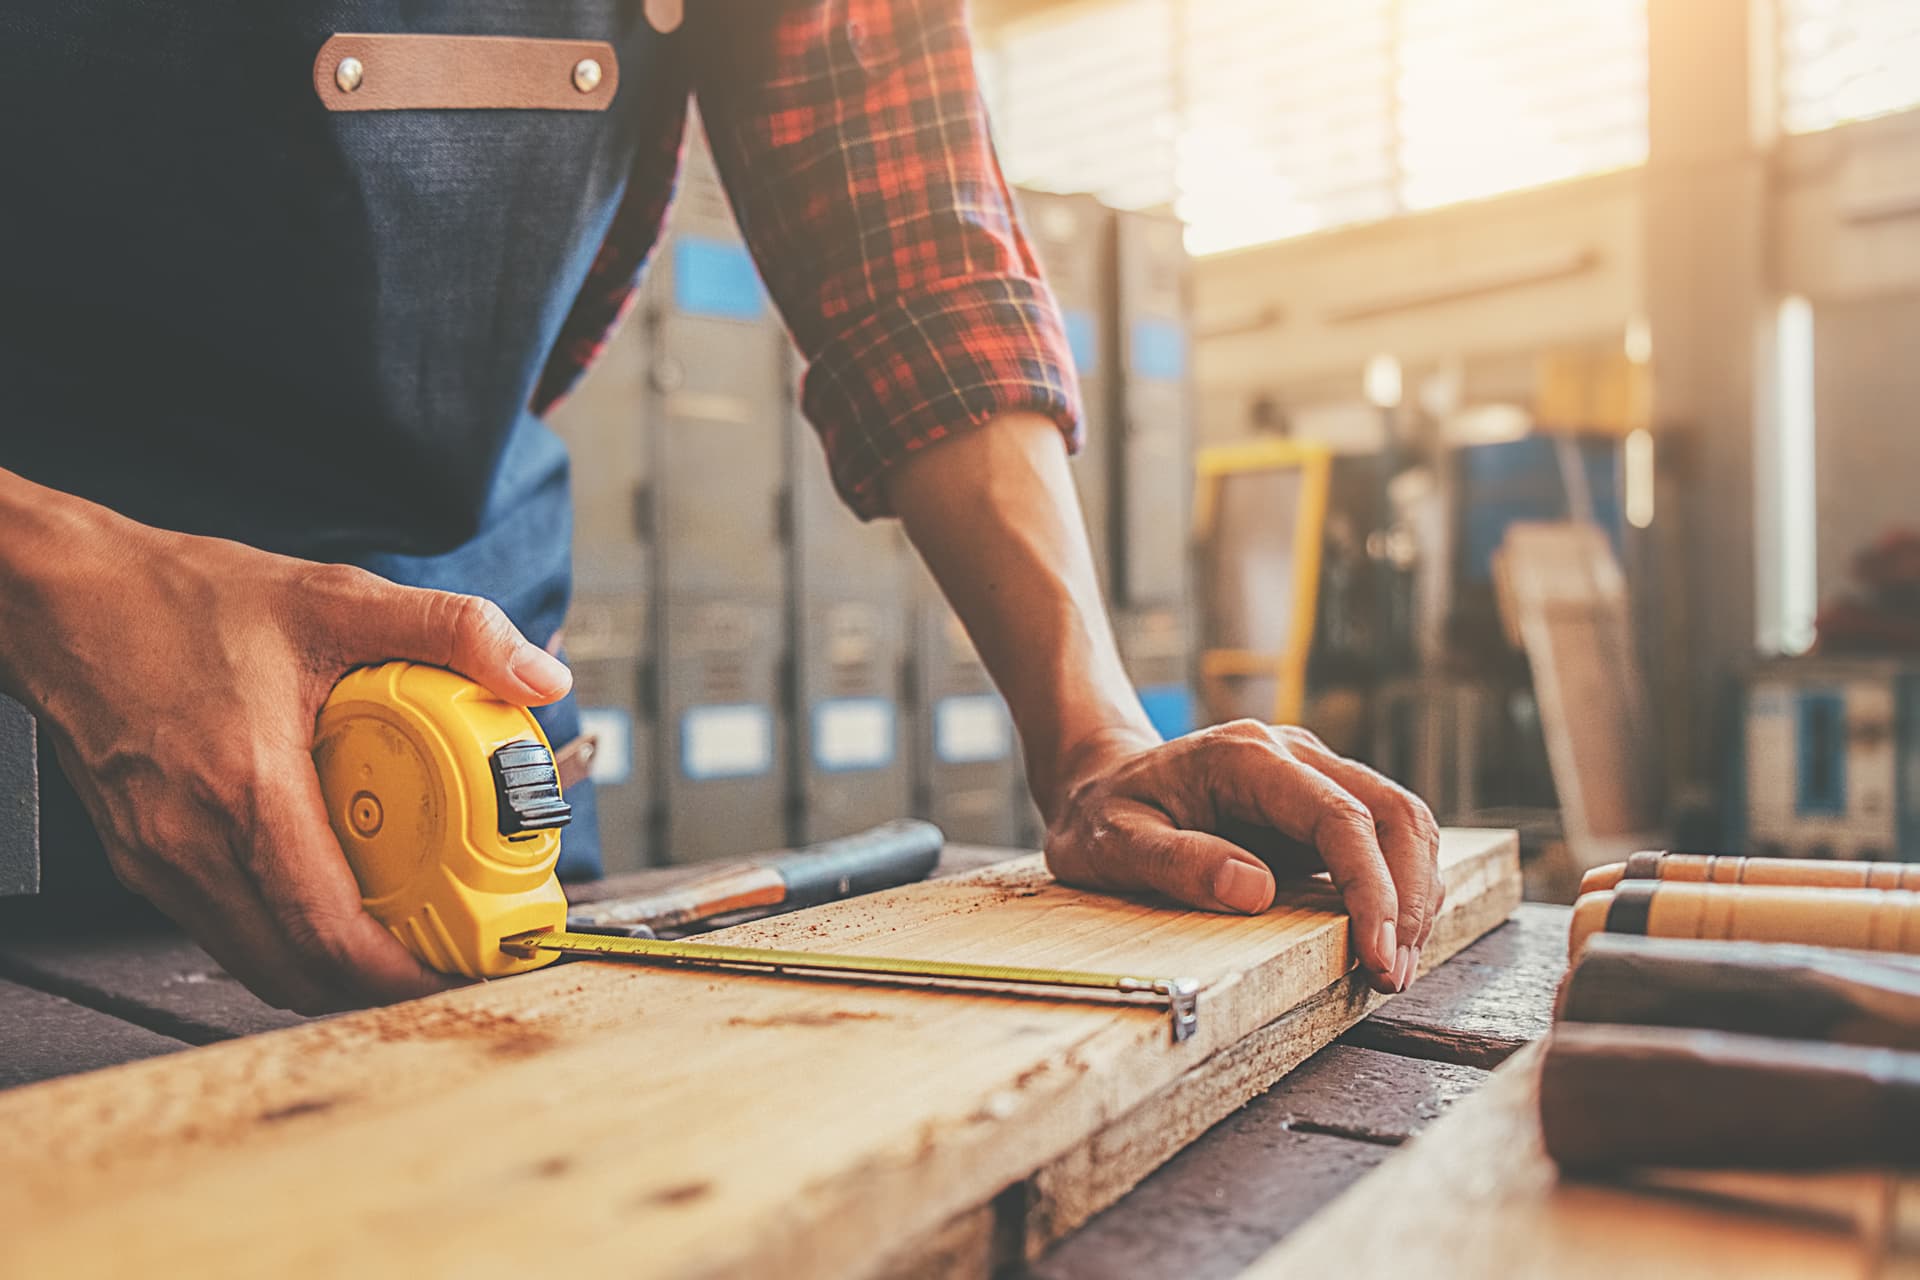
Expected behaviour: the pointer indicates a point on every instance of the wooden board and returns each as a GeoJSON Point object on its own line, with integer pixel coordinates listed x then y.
{"type": "Point", "coordinates": [681, 1123]}
{"type": "Point", "coordinates": [153, 976]}
{"type": "Point", "coordinates": [1477, 1196]}
{"type": "Point", "coordinates": [1564, 601]}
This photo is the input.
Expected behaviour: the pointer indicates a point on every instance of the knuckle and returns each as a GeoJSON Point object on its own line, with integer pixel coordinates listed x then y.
{"type": "Point", "coordinates": [478, 621]}
{"type": "Point", "coordinates": [1294, 737]}
{"type": "Point", "coordinates": [1345, 810]}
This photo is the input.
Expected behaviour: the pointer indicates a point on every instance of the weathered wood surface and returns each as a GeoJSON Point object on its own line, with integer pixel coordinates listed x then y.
{"type": "Point", "coordinates": [1487, 1003]}
{"type": "Point", "coordinates": [1477, 1196]}
{"type": "Point", "coordinates": [153, 976]}
{"type": "Point", "coordinates": [46, 1036]}
{"type": "Point", "coordinates": [681, 1122]}
{"type": "Point", "coordinates": [1263, 1171]}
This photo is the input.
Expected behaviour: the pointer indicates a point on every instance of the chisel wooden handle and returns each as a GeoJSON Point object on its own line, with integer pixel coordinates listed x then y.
{"type": "Point", "coordinates": [893, 853]}
{"type": "Point", "coordinates": [1716, 868]}
{"type": "Point", "coordinates": [1796, 993]}
{"type": "Point", "coordinates": [1613, 1096]}
{"type": "Point", "coordinates": [1862, 919]}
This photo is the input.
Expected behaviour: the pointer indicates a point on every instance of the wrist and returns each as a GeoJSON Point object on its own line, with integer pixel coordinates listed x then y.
{"type": "Point", "coordinates": [1053, 771]}
{"type": "Point", "coordinates": [57, 549]}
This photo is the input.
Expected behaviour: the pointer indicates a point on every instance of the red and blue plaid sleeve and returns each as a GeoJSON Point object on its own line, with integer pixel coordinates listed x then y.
{"type": "Point", "coordinates": [853, 143]}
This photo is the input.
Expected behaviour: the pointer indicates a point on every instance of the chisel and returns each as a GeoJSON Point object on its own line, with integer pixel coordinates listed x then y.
{"type": "Point", "coordinates": [1864, 919]}
{"type": "Point", "coordinates": [1618, 1096]}
{"type": "Point", "coordinates": [1713, 868]}
{"type": "Point", "coordinates": [447, 804]}
{"type": "Point", "coordinates": [1793, 992]}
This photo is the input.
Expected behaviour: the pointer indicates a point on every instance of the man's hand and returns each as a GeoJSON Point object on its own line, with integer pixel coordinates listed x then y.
{"type": "Point", "coordinates": [180, 678]}
{"type": "Point", "coordinates": [1207, 819]}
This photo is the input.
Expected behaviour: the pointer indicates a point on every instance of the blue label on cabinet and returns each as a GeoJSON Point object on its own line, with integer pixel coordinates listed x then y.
{"type": "Point", "coordinates": [716, 278]}
{"type": "Point", "coordinates": [1083, 337]}
{"type": "Point", "coordinates": [1159, 349]}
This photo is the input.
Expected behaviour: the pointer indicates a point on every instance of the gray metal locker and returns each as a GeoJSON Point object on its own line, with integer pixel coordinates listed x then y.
{"type": "Point", "coordinates": [966, 770]}
{"type": "Point", "coordinates": [1073, 237]}
{"type": "Point", "coordinates": [721, 400]}
{"type": "Point", "coordinates": [1153, 490]}
{"type": "Point", "coordinates": [607, 633]}
{"type": "Point", "coordinates": [850, 610]}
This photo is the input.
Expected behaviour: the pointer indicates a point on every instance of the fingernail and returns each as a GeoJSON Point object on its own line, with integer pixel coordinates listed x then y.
{"type": "Point", "coordinates": [540, 671]}
{"type": "Point", "coordinates": [1239, 887]}
{"type": "Point", "coordinates": [1387, 946]}
{"type": "Point", "coordinates": [1403, 969]}
{"type": "Point", "coordinates": [1413, 970]}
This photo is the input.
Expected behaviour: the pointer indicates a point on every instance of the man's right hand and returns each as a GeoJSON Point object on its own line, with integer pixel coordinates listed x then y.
{"type": "Point", "coordinates": [179, 678]}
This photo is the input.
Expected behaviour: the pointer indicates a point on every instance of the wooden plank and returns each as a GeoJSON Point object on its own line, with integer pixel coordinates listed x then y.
{"type": "Point", "coordinates": [159, 979]}
{"type": "Point", "coordinates": [1564, 600]}
{"type": "Point", "coordinates": [1263, 1171]}
{"type": "Point", "coordinates": [1070, 1190]}
{"type": "Point", "coordinates": [1477, 1196]}
{"type": "Point", "coordinates": [48, 1037]}
{"type": "Point", "coordinates": [1488, 1002]}
{"type": "Point", "coordinates": [686, 1123]}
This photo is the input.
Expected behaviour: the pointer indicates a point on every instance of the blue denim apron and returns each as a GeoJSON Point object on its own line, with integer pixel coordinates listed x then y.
{"type": "Point", "coordinates": [228, 311]}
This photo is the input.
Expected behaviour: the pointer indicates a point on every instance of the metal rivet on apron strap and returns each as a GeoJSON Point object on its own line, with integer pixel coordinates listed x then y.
{"type": "Point", "coordinates": [586, 75]}
{"type": "Point", "coordinates": [348, 74]}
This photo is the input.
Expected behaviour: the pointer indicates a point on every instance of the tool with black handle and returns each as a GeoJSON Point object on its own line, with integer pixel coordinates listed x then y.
{"type": "Point", "coordinates": [883, 857]}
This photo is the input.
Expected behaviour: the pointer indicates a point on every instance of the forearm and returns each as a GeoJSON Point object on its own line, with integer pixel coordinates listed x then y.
{"type": "Point", "coordinates": [994, 514]}
{"type": "Point", "coordinates": [52, 540]}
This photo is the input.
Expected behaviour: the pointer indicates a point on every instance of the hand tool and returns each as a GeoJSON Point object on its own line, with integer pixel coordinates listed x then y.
{"type": "Point", "coordinates": [447, 805]}
{"type": "Point", "coordinates": [893, 853]}
{"type": "Point", "coordinates": [1615, 1096]}
{"type": "Point", "coordinates": [1712, 868]}
{"type": "Point", "coordinates": [1864, 919]}
{"type": "Point", "coordinates": [1775, 989]}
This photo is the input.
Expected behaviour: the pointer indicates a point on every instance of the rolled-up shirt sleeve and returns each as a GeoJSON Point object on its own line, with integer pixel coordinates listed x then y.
{"type": "Point", "coordinates": [853, 143]}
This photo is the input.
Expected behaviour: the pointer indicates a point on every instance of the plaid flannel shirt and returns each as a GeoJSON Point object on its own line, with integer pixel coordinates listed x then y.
{"type": "Point", "coordinates": [852, 141]}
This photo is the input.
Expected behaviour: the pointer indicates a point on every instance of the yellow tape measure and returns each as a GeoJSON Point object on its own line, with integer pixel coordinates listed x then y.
{"type": "Point", "coordinates": [447, 804]}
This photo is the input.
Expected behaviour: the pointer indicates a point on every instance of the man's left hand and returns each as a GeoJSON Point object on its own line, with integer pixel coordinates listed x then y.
{"type": "Point", "coordinates": [1208, 819]}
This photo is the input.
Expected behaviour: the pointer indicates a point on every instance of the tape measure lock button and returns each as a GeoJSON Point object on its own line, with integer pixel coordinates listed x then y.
{"type": "Point", "coordinates": [527, 786]}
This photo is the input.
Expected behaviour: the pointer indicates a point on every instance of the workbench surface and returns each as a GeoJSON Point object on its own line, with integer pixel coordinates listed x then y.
{"type": "Point", "coordinates": [106, 995]}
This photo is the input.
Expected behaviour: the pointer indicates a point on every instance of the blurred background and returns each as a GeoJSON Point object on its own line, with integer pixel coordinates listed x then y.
{"type": "Point", "coordinates": [1520, 395]}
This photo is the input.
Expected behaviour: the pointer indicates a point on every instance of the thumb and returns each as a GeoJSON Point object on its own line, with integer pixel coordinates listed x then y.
{"type": "Point", "coordinates": [1148, 853]}
{"type": "Point", "coordinates": [468, 634]}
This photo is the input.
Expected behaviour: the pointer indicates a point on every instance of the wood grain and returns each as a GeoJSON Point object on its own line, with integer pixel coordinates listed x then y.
{"type": "Point", "coordinates": [683, 1123]}
{"type": "Point", "coordinates": [1476, 1196]}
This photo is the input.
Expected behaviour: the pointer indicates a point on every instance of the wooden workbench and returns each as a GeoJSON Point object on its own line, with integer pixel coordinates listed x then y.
{"type": "Point", "coordinates": [110, 996]}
